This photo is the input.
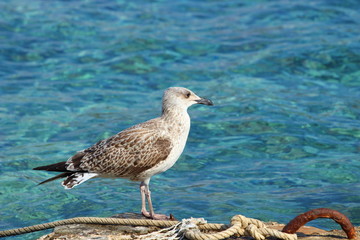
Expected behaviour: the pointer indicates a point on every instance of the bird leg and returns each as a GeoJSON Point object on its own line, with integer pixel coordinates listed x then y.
{"type": "Point", "coordinates": [143, 201]}
{"type": "Point", "coordinates": [146, 195]}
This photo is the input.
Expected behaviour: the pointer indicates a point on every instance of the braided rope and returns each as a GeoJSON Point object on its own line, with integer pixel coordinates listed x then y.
{"type": "Point", "coordinates": [240, 226]}
{"type": "Point", "coordinates": [87, 220]}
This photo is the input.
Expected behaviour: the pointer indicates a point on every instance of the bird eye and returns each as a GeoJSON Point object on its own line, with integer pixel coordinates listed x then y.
{"type": "Point", "coordinates": [188, 95]}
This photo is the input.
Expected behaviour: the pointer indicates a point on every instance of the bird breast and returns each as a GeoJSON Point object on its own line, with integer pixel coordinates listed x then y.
{"type": "Point", "coordinates": [179, 132]}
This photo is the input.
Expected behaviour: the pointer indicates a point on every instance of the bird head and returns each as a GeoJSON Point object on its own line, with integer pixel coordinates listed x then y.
{"type": "Point", "coordinates": [179, 97]}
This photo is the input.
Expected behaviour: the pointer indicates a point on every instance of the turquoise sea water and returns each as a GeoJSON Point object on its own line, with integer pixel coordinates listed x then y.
{"type": "Point", "coordinates": [283, 137]}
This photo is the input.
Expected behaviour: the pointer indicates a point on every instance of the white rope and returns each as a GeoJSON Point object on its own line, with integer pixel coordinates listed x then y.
{"type": "Point", "coordinates": [176, 232]}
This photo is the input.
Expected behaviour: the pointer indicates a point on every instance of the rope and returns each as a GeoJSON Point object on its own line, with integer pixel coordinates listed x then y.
{"type": "Point", "coordinates": [189, 228]}
{"type": "Point", "coordinates": [88, 220]}
{"type": "Point", "coordinates": [242, 226]}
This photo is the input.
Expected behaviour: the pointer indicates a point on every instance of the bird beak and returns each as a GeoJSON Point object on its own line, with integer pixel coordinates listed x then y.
{"type": "Point", "coordinates": [204, 101]}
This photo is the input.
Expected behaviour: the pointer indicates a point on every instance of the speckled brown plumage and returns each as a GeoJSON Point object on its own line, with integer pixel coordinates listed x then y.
{"type": "Point", "coordinates": [126, 154]}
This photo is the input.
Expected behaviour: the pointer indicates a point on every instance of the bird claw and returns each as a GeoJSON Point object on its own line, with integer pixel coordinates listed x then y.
{"type": "Point", "coordinates": [172, 218]}
{"type": "Point", "coordinates": [159, 216]}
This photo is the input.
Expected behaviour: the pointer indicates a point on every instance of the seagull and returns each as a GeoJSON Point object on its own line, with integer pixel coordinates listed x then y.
{"type": "Point", "coordinates": [136, 153]}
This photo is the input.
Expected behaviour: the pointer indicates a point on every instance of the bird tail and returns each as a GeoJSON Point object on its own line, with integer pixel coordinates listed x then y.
{"type": "Point", "coordinates": [61, 175]}
{"type": "Point", "coordinates": [72, 178]}
{"type": "Point", "coordinates": [77, 178]}
{"type": "Point", "coordinates": [57, 167]}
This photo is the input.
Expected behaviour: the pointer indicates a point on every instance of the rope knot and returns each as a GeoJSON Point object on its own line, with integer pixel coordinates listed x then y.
{"type": "Point", "coordinates": [240, 220]}
{"type": "Point", "coordinates": [254, 232]}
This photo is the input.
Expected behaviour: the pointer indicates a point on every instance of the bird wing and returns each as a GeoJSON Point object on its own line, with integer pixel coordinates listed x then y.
{"type": "Point", "coordinates": [125, 154]}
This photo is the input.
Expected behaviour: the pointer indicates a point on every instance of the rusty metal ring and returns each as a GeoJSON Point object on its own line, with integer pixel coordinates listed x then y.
{"type": "Point", "coordinates": [338, 217]}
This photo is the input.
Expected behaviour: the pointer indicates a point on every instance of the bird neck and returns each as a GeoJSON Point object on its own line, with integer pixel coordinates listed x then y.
{"type": "Point", "coordinates": [171, 110]}
{"type": "Point", "coordinates": [179, 116]}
